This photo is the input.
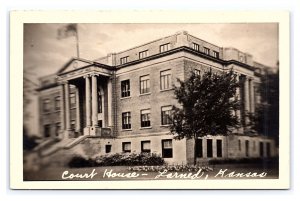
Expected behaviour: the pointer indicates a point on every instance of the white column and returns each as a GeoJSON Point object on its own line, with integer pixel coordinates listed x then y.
{"type": "Point", "coordinates": [246, 97]}
{"type": "Point", "coordinates": [109, 102]}
{"type": "Point", "coordinates": [62, 107]}
{"type": "Point", "coordinates": [238, 98]}
{"type": "Point", "coordinates": [252, 98]}
{"type": "Point", "coordinates": [77, 110]}
{"type": "Point", "coordinates": [88, 101]}
{"type": "Point", "coordinates": [94, 101]}
{"type": "Point", "coordinates": [67, 103]}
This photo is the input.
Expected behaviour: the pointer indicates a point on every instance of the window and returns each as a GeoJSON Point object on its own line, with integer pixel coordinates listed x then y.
{"type": "Point", "coordinates": [240, 145]}
{"type": "Point", "coordinates": [73, 123]}
{"type": "Point", "coordinates": [126, 147]}
{"type": "Point", "coordinates": [219, 148]}
{"type": "Point", "coordinates": [261, 149]}
{"type": "Point", "coordinates": [216, 54]}
{"type": "Point", "coordinates": [165, 80]}
{"type": "Point", "coordinates": [241, 58]}
{"type": "Point", "coordinates": [196, 46]}
{"type": "Point", "coordinates": [197, 72]}
{"type": "Point", "coordinates": [144, 84]}
{"type": "Point", "coordinates": [145, 118]}
{"type": "Point", "coordinates": [254, 146]}
{"type": "Point", "coordinates": [206, 50]}
{"type": "Point", "coordinates": [125, 88]}
{"type": "Point", "coordinates": [199, 148]}
{"type": "Point", "coordinates": [165, 47]}
{"type": "Point", "coordinates": [100, 101]}
{"type": "Point", "coordinates": [46, 105]}
{"type": "Point", "coordinates": [145, 146]}
{"type": "Point", "coordinates": [107, 148]}
{"type": "Point", "coordinates": [143, 54]}
{"type": "Point", "coordinates": [126, 120]}
{"type": "Point", "coordinates": [57, 128]}
{"type": "Point", "coordinates": [247, 148]}
{"type": "Point", "coordinates": [124, 60]}
{"type": "Point", "coordinates": [72, 100]}
{"type": "Point", "coordinates": [100, 124]}
{"type": "Point", "coordinates": [209, 148]}
{"type": "Point", "coordinates": [167, 149]}
{"type": "Point", "coordinates": [47, 130]}
{"type": "Point", "coordinates": [166, 115]}
{"type": "Point", "coordinates": [57, 103]}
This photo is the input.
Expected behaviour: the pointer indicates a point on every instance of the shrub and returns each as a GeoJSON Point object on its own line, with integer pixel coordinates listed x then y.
{"type": "Point", "coordinates": [117, 159]}
{"type": "Point", "coordinates": [129, 159]}
{"type": "Point", "coordinates": [79, 161]}
{"type": "Point", "coordinates": [170, 168]}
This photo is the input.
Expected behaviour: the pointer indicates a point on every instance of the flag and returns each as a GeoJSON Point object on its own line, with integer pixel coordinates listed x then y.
{"type": "Point", "coordinates": [67, 31]}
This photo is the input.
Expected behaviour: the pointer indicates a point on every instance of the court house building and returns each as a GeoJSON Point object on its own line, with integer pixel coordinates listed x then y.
{"type": "Point", "coordinates": [121, 102]}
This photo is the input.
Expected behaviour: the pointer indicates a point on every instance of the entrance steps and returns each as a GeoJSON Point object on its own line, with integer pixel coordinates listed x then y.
{"type": "Point", "coordinates": [55, 147]}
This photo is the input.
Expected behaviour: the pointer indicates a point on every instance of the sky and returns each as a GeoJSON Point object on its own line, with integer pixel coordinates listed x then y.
{"type": "Point", "coordinates": [45, 54]}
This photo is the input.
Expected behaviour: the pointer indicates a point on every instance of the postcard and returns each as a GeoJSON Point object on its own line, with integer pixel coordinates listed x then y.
{"type": "Point", "coordinates": [149, 100]}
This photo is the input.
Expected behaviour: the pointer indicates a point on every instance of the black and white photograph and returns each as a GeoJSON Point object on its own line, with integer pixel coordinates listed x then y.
{"type": "Point", "coordinates": [157, 102]}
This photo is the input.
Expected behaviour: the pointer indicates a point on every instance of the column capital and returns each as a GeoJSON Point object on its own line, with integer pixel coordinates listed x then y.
{"type": "Point", "coordinates": [86, 76]}
{"type": "Point", "coordinates": [94, 74]}
{"type": "Point", "coordinates": [62, 82]}
{"type": "Point", "coordinates": [237, 73]}
{"type": "Point", "coordinates": [91, 75]}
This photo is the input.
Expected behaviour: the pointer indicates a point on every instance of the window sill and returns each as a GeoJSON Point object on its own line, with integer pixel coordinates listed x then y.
{"type": "Point", "coordinates": [124, 98]}
{"type": "Point", "coordinates": [145, 94]}
{"type": "Point", "coordinates": [126, 129]}
{"type": "Point", "coordinates": [142, 128]}
{"type": "Point", "coordinates": [162, 90]}
{"type": "Point", "coordinates": [167, 125]}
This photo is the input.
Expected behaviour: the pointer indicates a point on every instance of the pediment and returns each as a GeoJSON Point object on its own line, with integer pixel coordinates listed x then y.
{"type": "Point", "coordinates": [74, 64]}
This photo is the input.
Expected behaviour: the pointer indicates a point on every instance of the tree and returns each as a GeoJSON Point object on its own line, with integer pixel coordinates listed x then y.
{"type": "Point", "coordinates": [266, 117]}
{"type": "Point", "coordinates": [206, 106]}
{"type": "Point", "coordinates": [29, 90]}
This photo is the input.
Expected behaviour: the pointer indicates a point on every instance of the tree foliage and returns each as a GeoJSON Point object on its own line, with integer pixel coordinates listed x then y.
{"type": "Point", "coordinates": [29, 90]}
{"type": "Point", "coordinates": [206, 103]}
{"type": "Point", "coordinates": [206, 107]}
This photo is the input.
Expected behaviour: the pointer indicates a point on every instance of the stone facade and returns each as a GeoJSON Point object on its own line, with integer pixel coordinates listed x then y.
{"type": "Point", "coordinates": [108, 98]}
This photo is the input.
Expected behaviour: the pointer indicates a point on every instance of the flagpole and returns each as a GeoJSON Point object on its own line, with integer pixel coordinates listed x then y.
{"type": "Point", "coordinates": [77, 41]}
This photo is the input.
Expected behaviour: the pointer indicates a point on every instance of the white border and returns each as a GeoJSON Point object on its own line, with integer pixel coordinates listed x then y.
{"type": "Point", "coordinates": [16, 62]}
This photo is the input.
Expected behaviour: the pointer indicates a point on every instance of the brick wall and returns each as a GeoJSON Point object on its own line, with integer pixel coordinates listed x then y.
{"type": "Point", "coordinates": [153, 101]}
{"type": "Point", "coordinates": [152, 47]}
{"type": "Point", "coordinates": [190, 148]}
{"type": "Point", "coordinates": [239, 151]}
{"type": "Point", "coordinates": [53, 116]}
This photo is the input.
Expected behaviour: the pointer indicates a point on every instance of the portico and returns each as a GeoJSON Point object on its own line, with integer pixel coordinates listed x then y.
{"type": "Point", "coordinates": [88, 102]}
